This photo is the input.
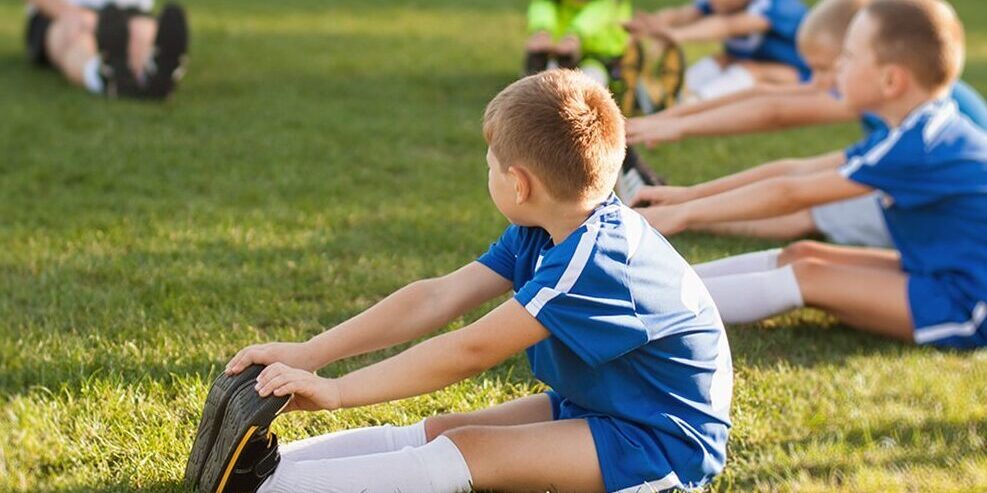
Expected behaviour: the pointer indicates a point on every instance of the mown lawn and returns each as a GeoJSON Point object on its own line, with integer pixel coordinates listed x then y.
{"type": "Point", "coordinates": [320, 155]}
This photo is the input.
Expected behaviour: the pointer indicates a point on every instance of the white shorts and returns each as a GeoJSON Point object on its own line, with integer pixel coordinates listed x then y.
{"type": "Point", "coordinates": [858, 221]}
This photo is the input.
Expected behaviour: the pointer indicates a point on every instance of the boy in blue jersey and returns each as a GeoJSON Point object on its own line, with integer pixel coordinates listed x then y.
{"type": "Point", "coordinates": [929, 165]}
{"type": "Point", "coordinates": [858, 221]}
{"type": "Point", "coordinates": [758, 36]}
{"type": "Point", "coordinates": [610, 316]}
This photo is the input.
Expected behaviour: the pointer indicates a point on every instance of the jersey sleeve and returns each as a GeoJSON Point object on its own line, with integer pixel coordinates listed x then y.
{"type": "Point", "coordinates": [785, 16]}
{"type": "Point", "coordinates": [594, 17]}
{"type": "Point", "coordinates": [501, 257]}
{"type": "Point", "coordinates": [543, 15]}
{"type": "Point", "coordinates": [896, 166]}
{"type": "Point", "coordinates": [703, 6]}
{"type": "Point", "coordinates": [583, 305]}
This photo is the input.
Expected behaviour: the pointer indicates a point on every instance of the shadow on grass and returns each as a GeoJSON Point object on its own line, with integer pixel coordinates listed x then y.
{"type": "Point", "coordinates": [172, 486]}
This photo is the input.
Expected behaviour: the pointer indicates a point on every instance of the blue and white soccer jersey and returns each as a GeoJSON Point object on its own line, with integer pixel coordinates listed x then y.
{"type": "Point", "coordinates": [932, 174]}
{"type": "Point", "coordinates": [637, 348]}
{"type": "Point", "coordinates": [778, 43]}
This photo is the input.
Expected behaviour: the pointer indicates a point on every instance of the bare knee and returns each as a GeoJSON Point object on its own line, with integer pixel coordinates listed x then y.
{"type": "Point", "coordinates": [441, 424]}
{"type": "Point", "coordinates": [800, 250]}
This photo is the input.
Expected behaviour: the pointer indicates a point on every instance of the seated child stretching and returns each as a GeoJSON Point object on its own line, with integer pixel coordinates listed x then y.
{"type": "Point", "coordinates": [858, 221]}
{"type": "Point", "coordinates": [768, 108]}
{"type": "Point", "coordinates": [759, 42]}
{"type": "Point", "coordinates": [930, 167]}
{"type": "Point", "coordinates": [610, 316]}
{"type": "Point", "coordinates": [577, 33]}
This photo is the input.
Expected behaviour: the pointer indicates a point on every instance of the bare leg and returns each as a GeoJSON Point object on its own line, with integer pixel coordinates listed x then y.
{"type": "Point", "coordinates": [863, 287]}
{"type": "Point", "coordinates": [549, 456]}
{"type": "Point", "coordinates": [71, 42]}
{"type": "Point", "coordinates": [881, 258]}
{"type": "Point", "coordinates": [795, 225]}
{"type": "Point", "coordinates": [531, 409]}
{"type": "Point", "coordinates": [142, 33]}
{"type": "Point", "coordinates": [771, 73]}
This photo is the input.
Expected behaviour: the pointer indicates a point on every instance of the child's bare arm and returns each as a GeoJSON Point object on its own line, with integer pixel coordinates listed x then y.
{"type": "Point", "coordinates": [677, 195]}
{"type": "Point", "coordinates": [411, 312]}
{"type": "Point", "coordinates": [768, 198]}
{"type": "Point", "coordinates": [426, 367]}
{"type": "Point", "coordinates": [719, 28]}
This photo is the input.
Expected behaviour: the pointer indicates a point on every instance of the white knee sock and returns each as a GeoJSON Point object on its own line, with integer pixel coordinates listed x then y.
{"type": "Point", "coordinates": [437, 467]}
{"type": "Point", "coordinates": [361, 441]}
{"type": "Point", "coordinates": [90, 76]}
{"type": "Point", "coordinates": [745, 298]}
{"type": "Point", "coordinates": [733, 79]}
{"type": "Point", "coordinates": [701, 73]}
{"type": "Point", "coordinates": [739, 264]}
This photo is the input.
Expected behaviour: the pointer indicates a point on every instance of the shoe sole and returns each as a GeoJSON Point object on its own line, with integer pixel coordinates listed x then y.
{"type": "Point", "coordinates": [634, 175]}
{"type": "Point", "coordinates": [171, 45]}
{"type": "Point", "coordinates": [246, 412]}
{"type": "Point", "coordinates": [216, 401]}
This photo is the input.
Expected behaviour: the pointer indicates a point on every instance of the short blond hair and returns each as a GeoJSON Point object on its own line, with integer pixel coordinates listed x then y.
{"type": "Point", "coordinates": [924, 36]}
{"type": "Point", "coordinates": [564, 127]}
{"type": "Point", "coordinates": [828, 21]}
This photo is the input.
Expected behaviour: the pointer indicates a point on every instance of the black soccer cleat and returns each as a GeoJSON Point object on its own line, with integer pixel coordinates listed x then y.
{"type": "Point", "coordinates": [212, 419]}
{"type": "Point", "coordinates": [535, 61]}
{"type": "Point", "coordinates": [112, 39]}
{"type": "Point", "coordinates": [255, 463]}
{"type": "Point", "coordinates": [167, 65]}
{"type": "Point", "coordinates": [634, 174]}
{"type": "Point", "coordinates": [226, 461]}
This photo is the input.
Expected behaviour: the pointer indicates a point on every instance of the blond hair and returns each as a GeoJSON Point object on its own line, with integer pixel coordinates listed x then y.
{"type": "Point", "coordinates": [564, 127]}
{"type": "Point", "coordinates": [828, 21]}
{"type": "Point", "coordinates": [924, 36]}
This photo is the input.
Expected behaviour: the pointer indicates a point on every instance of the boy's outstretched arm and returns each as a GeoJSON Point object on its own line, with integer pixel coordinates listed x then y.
{"type": "Point", "coordinates": [410, 312]}
{"type": "Point", "coordinates": [769, 110]}
{"type": "Point", "coordinates": [719, 28]}
{"type": "Point", "coordinates": [668, 195]}
{"type": "Point", "coordinates": [761, 200]}
{"type": "Point", "coordinates": [426, 367]}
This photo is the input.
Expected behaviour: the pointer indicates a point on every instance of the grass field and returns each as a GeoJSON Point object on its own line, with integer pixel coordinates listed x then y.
{"type": "Point", "coordinates": [320, 155]}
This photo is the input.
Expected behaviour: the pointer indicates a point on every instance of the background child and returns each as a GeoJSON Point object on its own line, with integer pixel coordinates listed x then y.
{"type": "Point", "coordinates": [930, 165]}
{"type": "Point", "coordinates": [759, 42]}
{"type": "Point", "coordinates": [115, 48]}
{"type": "Point", "coordinates": [577, 33]}
{"type": "Point", "coordinates": [857, 221]}
{"type": "Point", "coordinates": [610, 316]}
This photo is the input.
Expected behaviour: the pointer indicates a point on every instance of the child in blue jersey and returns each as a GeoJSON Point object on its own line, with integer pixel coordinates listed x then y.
{"type": "Point", "coordinates": [758, 36]}
{"type": "Point", "coordinates": [610, 316]}
{"type": "Point", "coordinates": [858, 221]}
{"type": "Point", "coordinates": [929, 165]}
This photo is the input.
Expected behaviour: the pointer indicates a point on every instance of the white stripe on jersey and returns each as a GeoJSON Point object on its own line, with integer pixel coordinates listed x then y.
{"type": "Point", "coordinates": [669, 481]}
{"type": "Point", "coordinates": [633, 224]}
{"type": "Point", "coordinates": [943, 111]}
{"type": "Point", "coordinates": [931, 333]}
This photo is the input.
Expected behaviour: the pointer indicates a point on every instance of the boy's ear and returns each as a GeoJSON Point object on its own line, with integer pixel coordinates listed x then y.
{"type": "Point", "coordinates": [896, 80]}
{"type": "Point", "coordinates": [522, 184]}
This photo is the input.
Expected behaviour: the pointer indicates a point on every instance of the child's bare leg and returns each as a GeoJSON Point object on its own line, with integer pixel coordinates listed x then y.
{"type": "Point", "coordinates": [530, 409]}
{"type": "Point", "coordinates": [872, 299]}
{"type": "Point", "coordinates": [550, 456]}
{"type": "Point", "coordinates": [387, 438]}
{"type": "Point", "coordinates": [795, 225]}
{"type": "Point", "coordinates": [771, 73]}
{"type": "Point", "coordinates": [71, 42]}
{"type": "Point", "coordinates": [880, 258]}
{"type": "Point", "coordinates": [143, 30]}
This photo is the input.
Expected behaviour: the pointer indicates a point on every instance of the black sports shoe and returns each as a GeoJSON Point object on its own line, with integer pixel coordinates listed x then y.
{"type": "Point", "coordinates": [256, 462]}
{"type": "Point", "coordinates": [247, 416]}
{"type": "Point", "coordinates": [112, 38]}
{"type": "Point", "coordinates": [167, 66]}
{"type": "Point", "coordinates": [634, 174]}
{"type": "Point", "coordinates": [212, 419]}
{"type": "Point", "coordinates": [535, 61]}
{"type": "Point", "coordinates": [567, 61]}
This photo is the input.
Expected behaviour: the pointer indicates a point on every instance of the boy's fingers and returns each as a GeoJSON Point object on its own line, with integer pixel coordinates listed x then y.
{"type": "Point", "coordinates": [271, 385]}
{"type": "Point", "coordinates": [287, 388]}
